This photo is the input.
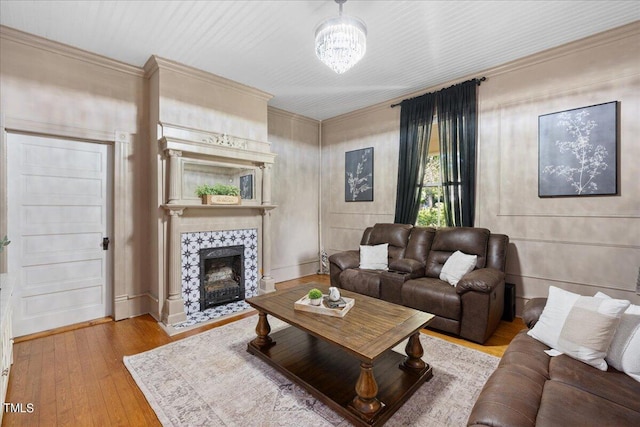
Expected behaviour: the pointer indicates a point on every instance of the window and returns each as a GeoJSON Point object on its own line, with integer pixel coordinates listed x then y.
{"type": "Point", "coordinates": [431, 213]}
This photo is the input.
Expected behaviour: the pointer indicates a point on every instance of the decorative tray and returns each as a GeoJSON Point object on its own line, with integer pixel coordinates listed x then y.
{"type": "Point", "coordinates": [303, 304]}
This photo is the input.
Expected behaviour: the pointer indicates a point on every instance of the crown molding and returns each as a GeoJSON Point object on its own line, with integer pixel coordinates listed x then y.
{"type": "Point", "coordinates": [603, 38]}
{"type": "Point", "coordinates": [155, 63]}
{"type": "Point", "coordinates": [17, 36]}
{"type": "Point", "coordinates": [291, 116]}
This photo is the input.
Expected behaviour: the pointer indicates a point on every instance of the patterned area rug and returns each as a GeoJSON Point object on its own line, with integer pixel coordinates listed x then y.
{"type": "Point", "coordinates": [210, 380]}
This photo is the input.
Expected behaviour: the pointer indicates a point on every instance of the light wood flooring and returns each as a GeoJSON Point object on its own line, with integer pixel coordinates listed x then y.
{"type": "Point", "coordinates": [75, 376]}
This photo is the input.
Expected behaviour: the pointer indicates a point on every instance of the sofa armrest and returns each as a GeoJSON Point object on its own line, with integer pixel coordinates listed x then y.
{"type": "Point", "coordinates": [532, 311]}
{"type": "Point", "coordinates": [483, 280]}
{"type": "Point", "coordinates": [407, 265]}
{"type": "Point", "coordinates": [346, 259]}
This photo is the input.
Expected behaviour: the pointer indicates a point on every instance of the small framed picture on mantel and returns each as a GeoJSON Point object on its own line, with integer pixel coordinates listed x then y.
{"type": "Point", "coordinates": [358, 180]}
{"type": "Point", "coordinates": [578, 152]}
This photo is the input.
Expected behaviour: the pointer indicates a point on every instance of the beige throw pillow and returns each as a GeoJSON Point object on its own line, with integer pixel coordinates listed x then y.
{"type": "Point", "coordinates": [375, 257]}
{"type": "Point", "coordinates": [457, 266]}
{"type": "Point", "coordinates": [581, 327]}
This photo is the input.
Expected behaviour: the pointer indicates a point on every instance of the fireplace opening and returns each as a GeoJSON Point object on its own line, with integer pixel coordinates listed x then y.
{"type": "Point", "coordinates": [221, 276]}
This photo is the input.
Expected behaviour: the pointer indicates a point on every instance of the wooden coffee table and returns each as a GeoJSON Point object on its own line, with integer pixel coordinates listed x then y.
{"type": "Point", "coordinates": [346, 363]}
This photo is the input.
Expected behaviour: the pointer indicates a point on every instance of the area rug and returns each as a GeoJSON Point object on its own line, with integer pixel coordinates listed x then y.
{"type": "Point", "coordinates": [210, 380]}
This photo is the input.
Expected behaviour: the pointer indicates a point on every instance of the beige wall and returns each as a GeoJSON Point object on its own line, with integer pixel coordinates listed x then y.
{"type": "Point", "coordinates": [377, 127]}
{"type": "Point", "coordinates": [296, 175]}
{"type": "Point", "coordinates": [581, 244]}
{"type": "Point", "coordinates": [199, 100]}
{"type": "Point", "coordinates": [51, 89]}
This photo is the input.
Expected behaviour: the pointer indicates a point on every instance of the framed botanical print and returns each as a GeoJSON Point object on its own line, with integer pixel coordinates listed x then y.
{"type": "Point", "coordinates": [578, 151]}
{"type": "Point", "coordinates": [358, 181]}
{"type": "Point", "coordinates": [246, 187]}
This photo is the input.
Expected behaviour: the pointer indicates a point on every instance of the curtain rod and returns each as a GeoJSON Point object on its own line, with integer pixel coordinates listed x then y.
{"type": "Point", "coordinates": [478, 81]}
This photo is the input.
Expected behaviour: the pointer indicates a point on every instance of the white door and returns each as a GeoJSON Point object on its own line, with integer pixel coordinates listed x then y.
{"type": "Point", "coordinates": [58, 214]}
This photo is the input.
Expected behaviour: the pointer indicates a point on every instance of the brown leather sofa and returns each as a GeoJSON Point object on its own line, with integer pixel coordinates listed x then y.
{"type": "Point", "coordinates": [530, 388]}
{"type": "Point", "coordinates": [472, 309]}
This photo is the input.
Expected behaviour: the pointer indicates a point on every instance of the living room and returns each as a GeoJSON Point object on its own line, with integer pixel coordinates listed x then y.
{"type": "Point", "coordinates": [581, 244]}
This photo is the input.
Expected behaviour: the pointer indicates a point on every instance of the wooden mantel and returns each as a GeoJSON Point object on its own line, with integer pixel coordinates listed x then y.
{"type": "Point", "coordinates": [183, 147]}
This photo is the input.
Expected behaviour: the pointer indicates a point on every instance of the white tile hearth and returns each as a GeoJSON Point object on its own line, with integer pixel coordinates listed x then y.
{"type": "Point", "coordinates": [192, 243]}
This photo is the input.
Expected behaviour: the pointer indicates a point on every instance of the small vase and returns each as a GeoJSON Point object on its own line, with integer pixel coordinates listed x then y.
{"type": "Point", "coordinates": [334, 294]}
{"type": "Point", "coordinates": [315, 301]}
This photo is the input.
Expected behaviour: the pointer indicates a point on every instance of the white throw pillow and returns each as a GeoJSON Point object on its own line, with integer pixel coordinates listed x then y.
{"type": "Point", "coordinates": [581, 327]}
{"type": "Point", "coordinates": [375, 257]}
{"type": "Point", "coordinates": [457, 266]}
{"type": "Point", "coordinates": [624, 351]}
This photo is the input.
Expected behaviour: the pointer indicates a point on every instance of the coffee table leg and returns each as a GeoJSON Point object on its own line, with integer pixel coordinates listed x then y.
{"type": "Point", "coordinates": [263, 328]}
{"type": "Point", "coordinates": [414, 352]}
{"type": "Point", "coordinates": [365, 401]}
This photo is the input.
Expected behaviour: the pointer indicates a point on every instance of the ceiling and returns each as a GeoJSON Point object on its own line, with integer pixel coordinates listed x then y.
{"type": "Point", "coordinates": [411, 45]}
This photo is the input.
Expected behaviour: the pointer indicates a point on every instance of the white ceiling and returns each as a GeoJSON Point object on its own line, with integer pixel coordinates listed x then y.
{"type": "Point", "coordinates": [268, 45]}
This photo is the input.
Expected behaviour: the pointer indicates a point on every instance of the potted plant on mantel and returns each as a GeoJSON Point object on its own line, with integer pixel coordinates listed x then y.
{"type": "Point", "coordinates": [218, 194]}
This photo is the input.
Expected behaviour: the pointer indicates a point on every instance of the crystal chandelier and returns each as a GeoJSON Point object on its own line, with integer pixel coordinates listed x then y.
{"type": "Point", "coordinates": [341, 41]}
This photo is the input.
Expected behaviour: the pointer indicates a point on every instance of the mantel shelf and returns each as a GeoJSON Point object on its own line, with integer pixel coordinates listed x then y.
{"type": "Point", "coordinates": [201, 206]}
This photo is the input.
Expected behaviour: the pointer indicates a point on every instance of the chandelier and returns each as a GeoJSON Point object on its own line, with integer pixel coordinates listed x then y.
{"type": "Point", "coordinates": [341, 41]}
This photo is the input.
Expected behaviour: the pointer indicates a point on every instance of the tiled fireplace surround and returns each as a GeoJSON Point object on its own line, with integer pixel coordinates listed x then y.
{"type": "Point", "coordinates": [192, 243]}
{"type": "Point", "coordinates": [192, 226]}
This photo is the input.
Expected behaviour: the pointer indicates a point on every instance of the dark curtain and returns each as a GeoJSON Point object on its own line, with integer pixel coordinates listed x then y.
{"type": "Point", "coordinates": [416, 116]}
{"type": "Point", "coordinates": [457, 125]}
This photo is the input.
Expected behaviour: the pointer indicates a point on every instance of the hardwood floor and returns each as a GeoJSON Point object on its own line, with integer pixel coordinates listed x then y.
{"type": "Point", "coordinates": [75, 376]}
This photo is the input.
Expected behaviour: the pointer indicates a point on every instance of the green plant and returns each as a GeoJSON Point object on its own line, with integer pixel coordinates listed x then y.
{"type": "Point", "coordinates": [4, 242]}
{"type": "Point", "coordinates": [315, 293]}
{"type": "Point", "coordinates": [218, 190]}
{"type": "Point", "coordinates": [431, 216]}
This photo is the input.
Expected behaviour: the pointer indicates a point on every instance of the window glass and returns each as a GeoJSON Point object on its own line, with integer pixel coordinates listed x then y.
{"type": "Point", "coordinates": [431, 213]}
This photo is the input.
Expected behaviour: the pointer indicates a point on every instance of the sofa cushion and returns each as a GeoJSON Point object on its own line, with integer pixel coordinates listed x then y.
{"type": "Point", "coordinates": [530, 388]}
{"type": "Point", "coordinates": [374, 257]}
{"type": "Point", "coordinates": [496, 406]}
{"type": "Point", "coordinates": [469, 240]}
{"type": "Point", "coordinates": [526, 351]}
{"type": "Point", "coordinates": [564, 405]}
{"type": "Point", "coordinates": [419, 245]}
{"type": "Point", "coordinates": [579, 326]}
{"type": "Point", "coordinates": [396, 235]}
{"type": "Point", "coordinates": [366, 282]}
{"type": "Point", "coordinates": [433, 296]}
{"type": "Point", "coordinates": [393, 234]}
{"type": "Point", "coordinates": [457, 266]}
{"type": "Point", "coordinates": [611, 385]}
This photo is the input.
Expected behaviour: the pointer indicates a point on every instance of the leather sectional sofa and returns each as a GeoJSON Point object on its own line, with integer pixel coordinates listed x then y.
{"type": "Point", "coordinates": [472, 309]}
{"type": "Point", "coordinates": [530, 388]}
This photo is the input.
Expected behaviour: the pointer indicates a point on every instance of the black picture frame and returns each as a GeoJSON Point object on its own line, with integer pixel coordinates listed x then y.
{"type": "Point", "coordinates": [358, 175]}
{"type": "Point", "coordinates": [246, 187]}
{"type": "Point", "coordinates": [578, 152]}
